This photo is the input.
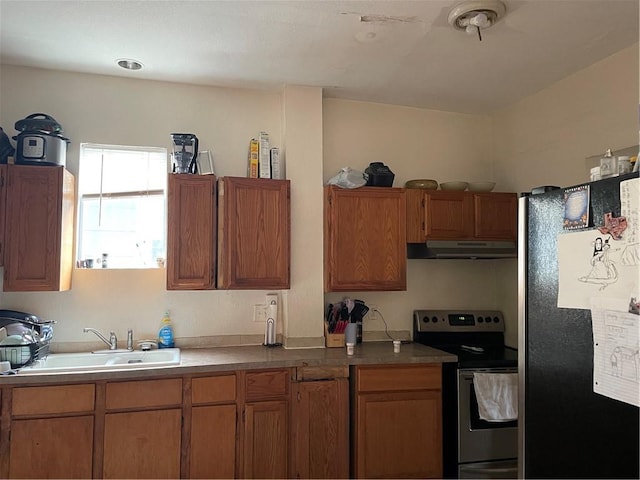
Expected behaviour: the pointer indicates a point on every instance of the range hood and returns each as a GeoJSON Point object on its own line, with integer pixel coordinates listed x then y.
{"type": "Point", "coordinates": [462, 249]}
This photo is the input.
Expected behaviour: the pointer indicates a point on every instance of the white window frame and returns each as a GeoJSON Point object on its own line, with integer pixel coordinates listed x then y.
{"type": "Point", "coordinates": [94, 259]}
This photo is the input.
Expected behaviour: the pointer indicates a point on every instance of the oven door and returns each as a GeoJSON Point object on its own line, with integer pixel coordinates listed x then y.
{"type": "Point", "coordinates": [479, 440]}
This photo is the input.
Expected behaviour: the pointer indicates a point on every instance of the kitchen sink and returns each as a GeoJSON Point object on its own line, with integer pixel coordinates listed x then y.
{"type": "Point", "coordinates": [120, 360]}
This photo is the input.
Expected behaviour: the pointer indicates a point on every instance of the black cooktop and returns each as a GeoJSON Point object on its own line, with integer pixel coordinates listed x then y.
{"type": "Point", "coordinates": [488, 357]}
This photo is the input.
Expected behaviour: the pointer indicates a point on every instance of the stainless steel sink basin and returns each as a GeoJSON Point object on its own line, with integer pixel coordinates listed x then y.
{"type": "Point", "coordinates": [120, 360]}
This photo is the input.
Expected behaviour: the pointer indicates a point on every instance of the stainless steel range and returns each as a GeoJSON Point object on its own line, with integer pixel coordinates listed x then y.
{"type": "Point", "coordinates": [472, 447]}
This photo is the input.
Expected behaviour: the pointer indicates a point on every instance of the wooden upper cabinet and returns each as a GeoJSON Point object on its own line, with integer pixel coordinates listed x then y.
{"type": "Point", "coordinates": [191, 232]}
{"type": "Point", "coordinates": [496, 216]}
{"type": "Point", "coordinates": [3, 209]}
{"type": "Point", "coordinates": [253, 233]}
{"type": "Point", "coordinates": [39, 228]}
{"type": "Point", "coordinates": [437, 215]}
{"type": "Point", "coordinates": [448, 215]}
{"type": "Point", "coordinates": [365, 239]}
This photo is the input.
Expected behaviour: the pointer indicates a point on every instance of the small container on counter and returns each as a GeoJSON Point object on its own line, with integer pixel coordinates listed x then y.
{"type": "Point", "coordinates": [396, 346]}
{"type": "Point", "coordinates": [350, 348]}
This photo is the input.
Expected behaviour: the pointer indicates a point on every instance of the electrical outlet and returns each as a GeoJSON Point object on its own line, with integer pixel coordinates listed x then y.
{"type": "Point", "coordinates": [260, 313]}
{"type": "Point", "coordinates": [372, 314]}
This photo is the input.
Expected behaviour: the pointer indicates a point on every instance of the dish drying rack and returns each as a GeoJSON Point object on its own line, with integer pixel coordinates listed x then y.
{"type": "Point", "coordinates": [22, 355]}
{"type": "Point", "coordinates": [36, 339]}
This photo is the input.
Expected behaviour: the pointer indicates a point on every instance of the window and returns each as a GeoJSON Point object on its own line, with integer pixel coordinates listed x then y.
{"type": "Point", "coordinates": [121, 216]}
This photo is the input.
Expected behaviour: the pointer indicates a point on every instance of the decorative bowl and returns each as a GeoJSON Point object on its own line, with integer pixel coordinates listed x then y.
{"type": "Point", "coordinates": [425, 183]}
{"type": "Point", "coordinates": [454, 186]}
{"type": "Point", "coordinates": [481, 186]}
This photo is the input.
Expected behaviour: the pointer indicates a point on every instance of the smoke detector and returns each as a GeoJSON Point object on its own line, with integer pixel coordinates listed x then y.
{"type": "Point", "coordinates": [473, 16]}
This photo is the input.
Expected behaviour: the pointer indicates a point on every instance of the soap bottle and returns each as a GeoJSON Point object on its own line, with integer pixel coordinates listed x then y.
{"type": "Point", "coordinates": [165, 334]}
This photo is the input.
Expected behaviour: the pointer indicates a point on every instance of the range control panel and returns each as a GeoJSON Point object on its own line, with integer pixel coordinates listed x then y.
{"type": "Point", "coordinates": [458, 321]}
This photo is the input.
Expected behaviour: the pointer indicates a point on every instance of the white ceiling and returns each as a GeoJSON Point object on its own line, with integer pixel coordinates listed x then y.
{"type": "Point", "coordinates": [408, 56]}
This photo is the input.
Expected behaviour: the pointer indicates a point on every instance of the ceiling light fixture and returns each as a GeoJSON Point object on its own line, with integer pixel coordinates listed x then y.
{"type": "Point", "coordinates": [473, 16]}
{"type": "Point", "coordinates": [129, 64]}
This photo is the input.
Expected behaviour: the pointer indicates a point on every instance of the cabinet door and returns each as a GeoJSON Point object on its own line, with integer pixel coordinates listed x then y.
{"type": "Point", "coordinates": [3, 209]}
{"type": "Point", "coordinates": [448, 215]}
{"type": "Point", "coordinates": [142, 444]}
{"type": "Point", "coordinates": [399, 435]}
{"type": "Point", "coordinates": [191, 233]}
{"type": "Point", "coordinates": [213, 441]}
{"type": "Point", "coordinates": [320, 442]}
{"type": "Point", "coordinates": [496, 216]}
{"type": "Point", "coordinates": [266, 433]}
{"type": "Point", "coordinates": [52, 448]}
{"type": "Point", "coordinates": [254, 233]}
{"type": "Point", "coordinates": [365, 239]}
{"type": "Point", "coordinates": [415, 215]}
{"type": "Point", "coordinates": [39, 228]}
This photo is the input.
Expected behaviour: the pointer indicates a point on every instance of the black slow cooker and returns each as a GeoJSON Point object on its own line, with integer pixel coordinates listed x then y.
{"type": "Point", "coordinates": [40, 141]}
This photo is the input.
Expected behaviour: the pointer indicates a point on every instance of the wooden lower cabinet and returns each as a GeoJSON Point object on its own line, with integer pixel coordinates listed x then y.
{"type": "Point", "coordinates": [213, 442]}
{"type": "Point", "coordinates": [142, 444]}
{"type": "Point", "coordinates": [397, 423]}
{"type": "Point", "coordinates": [47, 431]}
{"type": "Point", "coordinates": [143, 429]}
{"type": "Point", "coordinates": [320, 434]}
{"type": "Point", "coordinates": [400, 437]}
{"type": "Point", "coordinates": [266, 423]}
{"type": "Point", "coordinates": [270, 423]}
{"type": "Point", "coordinates": [266, 435]}
{"type": "Point", "coordinates": [213, 432]}
{"type": "Point", "coordinates": [52, 447]}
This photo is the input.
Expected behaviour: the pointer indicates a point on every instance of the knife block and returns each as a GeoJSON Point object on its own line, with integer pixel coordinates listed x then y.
{"type": "Point", "coordinates": [333, 340]}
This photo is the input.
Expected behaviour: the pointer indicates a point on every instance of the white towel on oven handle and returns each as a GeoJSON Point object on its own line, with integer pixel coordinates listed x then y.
{"type": "Point", "coordinates": [497, 395]}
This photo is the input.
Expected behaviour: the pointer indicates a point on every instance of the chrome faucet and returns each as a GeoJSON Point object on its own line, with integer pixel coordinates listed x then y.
{"type": "Point", "coordinates": [113, 340]}
{"type": "Point", "coordinates": [130, 339]}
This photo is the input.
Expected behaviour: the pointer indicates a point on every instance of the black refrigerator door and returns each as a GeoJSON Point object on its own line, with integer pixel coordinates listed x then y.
{"type": "Point", "coordinates": [569, 431]}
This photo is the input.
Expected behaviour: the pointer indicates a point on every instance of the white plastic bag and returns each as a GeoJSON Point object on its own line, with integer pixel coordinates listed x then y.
{"type": "Point", "coordinates": [348, 178]}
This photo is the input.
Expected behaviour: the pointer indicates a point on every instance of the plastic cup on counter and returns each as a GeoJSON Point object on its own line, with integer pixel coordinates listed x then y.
{"type": "Point", "coordinates": [396, 346]}
{"type": "Point", "coordinates": [350, 348]}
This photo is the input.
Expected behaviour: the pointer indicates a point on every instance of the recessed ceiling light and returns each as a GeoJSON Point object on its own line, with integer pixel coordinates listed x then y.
{"type": "Point", "coordinates": [129, 64]}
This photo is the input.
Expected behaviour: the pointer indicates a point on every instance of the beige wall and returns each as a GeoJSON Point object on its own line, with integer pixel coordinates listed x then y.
{"type": "Point", "coordinates": [416, 143]}
{"type": "Point", "coordinates": [546, 138]}
{"type": "Point", "coordinates": [122, 111]}
{"type": "Point", "coordinates": [543, 139]}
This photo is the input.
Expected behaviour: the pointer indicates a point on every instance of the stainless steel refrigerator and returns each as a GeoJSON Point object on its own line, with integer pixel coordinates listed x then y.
{"type": "Point", "coordinates": [566, 430]}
